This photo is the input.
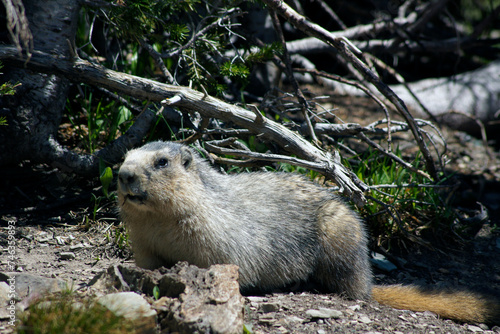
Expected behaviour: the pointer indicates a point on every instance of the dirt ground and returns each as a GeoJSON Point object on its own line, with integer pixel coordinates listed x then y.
{"type": "Point", "coordinates": [58, 236]}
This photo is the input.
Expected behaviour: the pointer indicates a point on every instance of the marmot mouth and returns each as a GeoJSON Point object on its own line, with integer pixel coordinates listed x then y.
{"type": "Point", "coordinates": [136, 198]}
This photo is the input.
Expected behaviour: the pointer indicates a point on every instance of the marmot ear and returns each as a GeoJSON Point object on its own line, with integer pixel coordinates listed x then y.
{"type": "Point", "coordinates": [186, 157]}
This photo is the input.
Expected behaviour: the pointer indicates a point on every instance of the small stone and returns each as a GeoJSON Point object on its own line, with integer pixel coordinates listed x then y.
{"type": "Point", "coordinates": [364, 319]}
{"type": "Point", "coordinates": [26, 284]}
{"type": "Point", "coordinates": [67, 255]}
{"type": "Point", "coordinates": [484, 327]}
{"type": "Point", "coordinates": [355, 307]}
{"type": "Point", "coordinates": [60, 241]}
{"type": "Point", "coordinates": [474, 329]}
{"type": "Point", "coordinates": [294, 319]}
{"type": "Point", "coordinates": [256, 299]}
{"type": "Point", "coordinates": [282, 329]}
{"type": "Point", "coordinates": [76, 247]}
{"type": "Point", "coordinates": [44, 240]}
{"type": "Point", "coordinates": [269, 307]}
{"type": "Point", "coordinates": [324, 313]}
{"type": "Point", "coordinates": [4, 300]}
{"type": "Point", "coordinates": [267, 319]}
{"type": "Point", "coordinates": [379, 261]}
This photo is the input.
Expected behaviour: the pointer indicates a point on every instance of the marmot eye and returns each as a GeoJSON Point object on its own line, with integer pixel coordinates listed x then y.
{"type": "Point", "coordinates": [162, 162]}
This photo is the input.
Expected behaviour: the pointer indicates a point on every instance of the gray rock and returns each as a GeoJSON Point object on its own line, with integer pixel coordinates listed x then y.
{"type": "Point", "coordinates": [269, 307]}
{"type": "Point", "coordinates": [192, 299]}
{"type": "Point", "coordinates": [379, 261]}
{"type": "Point", "coordinates": [67, 256]}
{"type": "Point", "coordinates": [28, 284]}
{"type": "Point", "coordinates": [4, 300]}
{"type": "Point", "coordinates": [210, 302]}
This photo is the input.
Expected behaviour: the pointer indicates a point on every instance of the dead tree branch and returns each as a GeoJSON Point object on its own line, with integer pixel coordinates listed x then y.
{"type": "Point", "coordinates": [192, 101]}
{"type": "Point", "coordinates": [345, 49]}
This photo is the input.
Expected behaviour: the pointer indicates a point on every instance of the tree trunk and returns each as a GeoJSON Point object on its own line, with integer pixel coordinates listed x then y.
{"type": "Point", "coordinates": [34, 112]}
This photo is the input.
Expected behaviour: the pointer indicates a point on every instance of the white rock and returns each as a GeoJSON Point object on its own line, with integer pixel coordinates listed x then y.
{"type": "Point", "coordinates": [130, 305]}
{"type": "Point", "coordinates": [355, 307]}
{"type": "Point", "coordinates": [475, 329]}
{"type": "Point", "coordinates": [324, 313]}
{"type": "Point", "coordinates": [133, 307]}
{"type": "Point", "coordinates": [364, 319]}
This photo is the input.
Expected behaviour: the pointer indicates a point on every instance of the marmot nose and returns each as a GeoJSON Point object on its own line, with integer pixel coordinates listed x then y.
{"type": "Point", "coordinates": [126, 176]}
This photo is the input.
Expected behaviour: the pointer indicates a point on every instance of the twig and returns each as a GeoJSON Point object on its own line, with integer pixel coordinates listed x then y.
{"type": "Point", "coordinates": [311, 45]}
{"type": "Point", "coordinates": [157, 59]}
{"type": "Point", "coordinates": [314, 30]}
{"type": "Point", "coordinates": [18, 26]}
{"type": "Point", "coordinates": [432, 9]}
{"type": "Point", "coordinates": [478, 29]}
{"type": "Point", "coordinates": [228, 15]}
{"type": "Point", "coordinates": [352, 129]}
{"type": "Point", "coordinates": [239, 163]}
{"type": "Point", "coordinates": [360, 87]}
{"type": "Point", "coordinates": [331, 13]}
{"type": "Point", "coordinates": [484, 136]}
{"type": "Point", "coordinates": [288, 67]}
{"type": "Point", "coordinates": [410, 185]}
{"type": "Point", "coordinates": [266, 157]}
{"type": "Point", "coordinates": [400, 79]}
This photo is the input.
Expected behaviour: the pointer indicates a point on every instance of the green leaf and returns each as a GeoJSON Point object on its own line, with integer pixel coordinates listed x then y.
{"type": "Point", "coordinates": [156, 292]}
{"type": "Point", "coordinates": [106, 179]}
{"type": "Point", "coordinates": [124, 114]}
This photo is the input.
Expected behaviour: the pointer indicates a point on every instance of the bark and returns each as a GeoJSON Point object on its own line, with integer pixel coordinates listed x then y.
{"type": "Point", "coordinates": [34, 112]}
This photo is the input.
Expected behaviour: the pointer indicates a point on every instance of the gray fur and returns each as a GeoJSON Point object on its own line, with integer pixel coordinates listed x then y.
{"type": "Point", "coordinates": [279, 228]}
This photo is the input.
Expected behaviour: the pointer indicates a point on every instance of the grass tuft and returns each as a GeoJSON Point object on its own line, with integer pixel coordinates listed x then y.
{"type": "Point", "coordinates": [402, 203]}
{"type": "Point", "coordinates": [66, 313]}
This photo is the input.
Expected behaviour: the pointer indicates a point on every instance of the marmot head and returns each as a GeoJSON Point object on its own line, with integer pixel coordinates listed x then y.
{"type": "Point", "coordinates": [153, 176]}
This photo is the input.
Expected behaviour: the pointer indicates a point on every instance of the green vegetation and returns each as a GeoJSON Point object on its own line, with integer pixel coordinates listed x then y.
{"type": "Point", "coordinates": [66, 313]}
{"type": "Point", "coordinates": [409, 205]}
{"type": "Point", "coordinates": [120, 237]}
{"type": "Point", "coordinates": [97, 120]}
{"type": "Point", "coordinates": [6, 88]}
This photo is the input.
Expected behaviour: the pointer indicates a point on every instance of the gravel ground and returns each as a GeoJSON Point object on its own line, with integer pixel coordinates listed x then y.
{"type": "Point", "coordinates": [54, 240]}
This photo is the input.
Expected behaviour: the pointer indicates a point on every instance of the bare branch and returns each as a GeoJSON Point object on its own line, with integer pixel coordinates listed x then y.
{"type": "Point", "coordinates": [193, 101]}
{"type": "Point", "coordinates": [157, 59]}
{"type": "Point", "coordinates": [314, 30]}
{"type": "Point", "coordinates": [288, 67]}
{"type": "Point", "coordinates": [18, 26]}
